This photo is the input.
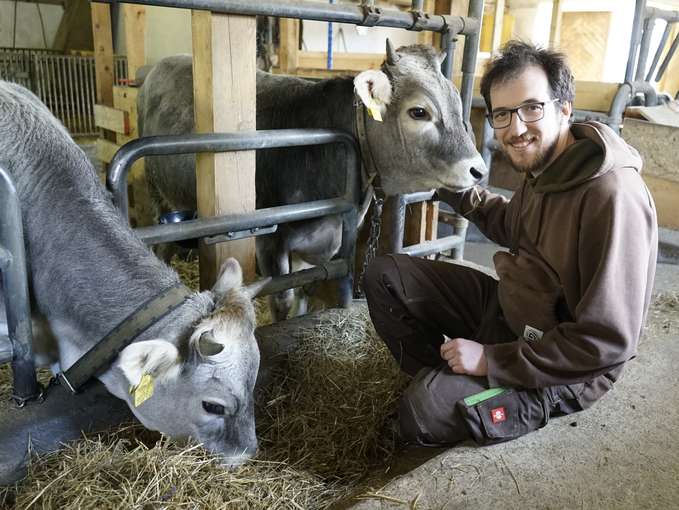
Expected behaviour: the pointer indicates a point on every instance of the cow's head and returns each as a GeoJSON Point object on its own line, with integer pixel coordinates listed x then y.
{"type": "Point", "coordinates": [422, 142]}
{"type": "Point", "coordinates": [204, 388]}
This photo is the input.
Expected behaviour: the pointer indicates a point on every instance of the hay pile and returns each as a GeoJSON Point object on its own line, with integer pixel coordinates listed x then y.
{"type": "Point", "coordinates": [323, 424]}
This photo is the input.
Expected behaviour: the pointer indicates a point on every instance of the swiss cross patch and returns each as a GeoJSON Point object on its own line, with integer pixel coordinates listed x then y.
{"type": "Point", "coordinates": [498, 414]}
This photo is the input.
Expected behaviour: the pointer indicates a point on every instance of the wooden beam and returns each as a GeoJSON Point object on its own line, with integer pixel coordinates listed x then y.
{"type": "Point", "coordinates": [431, 233]}
{"type": "Point", "coordinates": [289, 46]}
{"type": "Point", "coordinates": [112, 119]}
{"type": "Point", "coordinates": [498, 23]}
{"type": "Point", "coordinates": [415, 224]}
{"type": "Point", "coordinates": [134, 17]}
{"type": "Point", "coordinates": [106, 149]}
{"type": "Point", "coordinates": [224, 67]}
{"type": "Point", "coordinates": [555, 27]}
{"type": "Point", "coordinates": [594, 95]}
{"type": "Point", "coordinates": [341, 61]}
{"type": "Point", "coordinates": [103, 52]}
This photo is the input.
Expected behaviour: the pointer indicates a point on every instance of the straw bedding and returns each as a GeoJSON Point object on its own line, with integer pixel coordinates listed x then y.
{"type": "Point", "coordinates": [324, 424]}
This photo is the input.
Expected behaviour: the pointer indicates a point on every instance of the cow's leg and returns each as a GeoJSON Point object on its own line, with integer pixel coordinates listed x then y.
{"type": "Point", "coordinates": [273, 259]}
{"type": "Point", "coordinates": [315, 242]}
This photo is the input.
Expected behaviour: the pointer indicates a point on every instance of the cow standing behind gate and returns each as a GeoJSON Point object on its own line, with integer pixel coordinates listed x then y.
{"type": "Point", "coordinates": [421, 144]}
{"type": "Point", "coordinates": [88, 271]}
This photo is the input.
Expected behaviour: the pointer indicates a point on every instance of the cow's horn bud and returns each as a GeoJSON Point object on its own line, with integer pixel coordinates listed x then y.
{"type": "Point", "coordinates": [208, 346]}
{"type": "Point", "coordinates": [392, 56]}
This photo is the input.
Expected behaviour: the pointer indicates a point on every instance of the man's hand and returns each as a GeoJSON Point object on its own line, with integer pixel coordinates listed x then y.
{"type": "Point", "coordinates": [464, 356]}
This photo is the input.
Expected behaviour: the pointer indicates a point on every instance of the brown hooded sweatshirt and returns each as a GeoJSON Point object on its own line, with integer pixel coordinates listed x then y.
{"type": "Point", "coordinates": [583, 237]}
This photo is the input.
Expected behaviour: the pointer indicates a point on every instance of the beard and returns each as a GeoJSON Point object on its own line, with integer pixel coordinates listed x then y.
{"type": "Point", "coordinates": [537, 163]}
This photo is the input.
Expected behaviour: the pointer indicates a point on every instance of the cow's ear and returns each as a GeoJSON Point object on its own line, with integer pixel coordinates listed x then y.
{"type": "Point", "coordinates": [158, 358]}
{"type": "Point", "coordinates": [230, 277]}
{"type": "Point", "coordinates": [374, 89]}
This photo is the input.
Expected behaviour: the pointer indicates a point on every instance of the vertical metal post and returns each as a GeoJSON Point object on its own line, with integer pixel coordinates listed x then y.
{"type": "Point", "coordinates": [639, 10]}
{"type": "Point", "coordinates": [450, 40]}
{"type": "Point", "coordinates": [649, 24]}
{"type": "Point", "coordinates": [398, 221]}
{"type": "Point", "coordinates": [668, 57]}
{"type": "Point", "coordinates": [658, 51]}
{"type": "Point", "coordinates": [330, 36]}
{"type": "Point", "coordinates": [15, 289]}
{"type": "Point", "coordinates": [471, 45]}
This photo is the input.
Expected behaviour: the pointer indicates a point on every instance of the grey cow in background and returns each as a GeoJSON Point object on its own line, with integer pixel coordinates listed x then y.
{"type": "Point", "coordinates": [89, 271]}
{"type": "Point", "coordinates": [421, 144]}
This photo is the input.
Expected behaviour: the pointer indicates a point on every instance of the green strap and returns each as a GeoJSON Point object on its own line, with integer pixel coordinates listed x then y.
{"type": "Point", "coordinates": [472, 400]}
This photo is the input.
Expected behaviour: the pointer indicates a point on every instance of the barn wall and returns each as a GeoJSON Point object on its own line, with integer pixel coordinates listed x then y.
{"type": "Point", "coordinates": [28, 31]}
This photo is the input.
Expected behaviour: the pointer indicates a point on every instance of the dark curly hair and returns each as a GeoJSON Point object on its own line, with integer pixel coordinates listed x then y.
{"type": "Point", "coordinates": [515, 56]}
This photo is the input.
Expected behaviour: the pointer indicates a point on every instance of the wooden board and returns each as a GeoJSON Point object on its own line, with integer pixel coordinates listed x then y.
{"type": "Point", "coordinates": [341, 61]}
{"type": "Point", "coordinates": [112, 119]}
{"type": "Point", "coordinates": [106, 150]}
{"type": "Point", "coordinates": [103, 52]}
{"type": "Point", "coordinates": [665, 195]}
{"type": "Point", "coordinates": [289, 43]}
{"type": "Point", "coordinates": [134, 17]}
{"type": "Point", "coordinates": [595, 96]}
{"type": "Point", "coordinates": [125, 98]}
{"type": "Point", "coordinates": [584, 37]}
{"type": "Point", "coordinates": [224, 58]}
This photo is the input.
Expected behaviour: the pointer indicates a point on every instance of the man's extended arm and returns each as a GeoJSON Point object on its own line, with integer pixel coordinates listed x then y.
{"type": "Point", "coordinates": [488, 211]}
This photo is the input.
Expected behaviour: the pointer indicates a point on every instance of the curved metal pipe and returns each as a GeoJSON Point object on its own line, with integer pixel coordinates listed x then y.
{"type": "Point", "coordinates": [622, 98]}
{"type": "Point", "coordinates": [116, 179]}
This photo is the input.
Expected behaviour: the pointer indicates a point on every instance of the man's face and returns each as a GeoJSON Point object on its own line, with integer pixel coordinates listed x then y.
{"type": "Point", "coordinates": [530, 146]}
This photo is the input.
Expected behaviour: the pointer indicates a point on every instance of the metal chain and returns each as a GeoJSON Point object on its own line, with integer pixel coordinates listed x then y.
{"type": "Point", "coordinates": [373, 240]}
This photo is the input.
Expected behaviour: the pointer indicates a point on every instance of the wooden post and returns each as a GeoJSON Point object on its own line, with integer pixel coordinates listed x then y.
{"type": "Point", "coordinates": [289, 45]}
{"type": "Point", "coordinates": [555, 28]}
{"type": "Point", "coordinates": [134, 17]}
{"type": "Point", "coordinates": [498, 23]}
{"type": "Point", "coordinates": [224, 67]}
{"type": "Point", "coordinates": [103, 52]}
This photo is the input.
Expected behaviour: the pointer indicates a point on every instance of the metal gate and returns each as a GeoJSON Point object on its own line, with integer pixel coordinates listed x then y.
{"type": "Point", "coordinates": [65, 83]}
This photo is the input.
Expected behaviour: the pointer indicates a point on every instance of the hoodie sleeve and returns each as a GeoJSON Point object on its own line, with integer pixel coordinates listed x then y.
{"type": "Point", "coordinates": [616, 253]}
{"type": "Point", "coordinates": [490, 212]}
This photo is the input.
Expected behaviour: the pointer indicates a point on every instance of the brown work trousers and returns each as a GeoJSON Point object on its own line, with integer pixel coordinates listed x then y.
{"type": "Point", "coordinates": [413, 302]}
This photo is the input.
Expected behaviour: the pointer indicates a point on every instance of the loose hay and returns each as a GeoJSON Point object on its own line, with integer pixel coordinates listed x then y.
{"type": "Point", "coordinates": [324, 423]}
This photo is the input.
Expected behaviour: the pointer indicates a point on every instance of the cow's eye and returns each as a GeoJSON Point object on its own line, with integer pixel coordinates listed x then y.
{"type": "Point", "coordinates": [213, 408]}
{"type": "Point", "coordinates": [419, 113]}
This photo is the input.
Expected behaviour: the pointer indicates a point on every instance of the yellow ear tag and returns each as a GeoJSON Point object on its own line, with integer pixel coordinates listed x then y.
{"type": "Point", "coordinates": [142, 391]}
{"type": "Point", "coordinates": [374, 110]}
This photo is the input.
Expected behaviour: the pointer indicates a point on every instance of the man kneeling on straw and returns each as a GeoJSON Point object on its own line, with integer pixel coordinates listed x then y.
{"type": "Point", "coordinates": [493, 360]}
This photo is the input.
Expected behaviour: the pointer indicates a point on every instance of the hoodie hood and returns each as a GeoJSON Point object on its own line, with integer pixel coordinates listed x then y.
{"type": "Point", "coordinates": [596, 151]}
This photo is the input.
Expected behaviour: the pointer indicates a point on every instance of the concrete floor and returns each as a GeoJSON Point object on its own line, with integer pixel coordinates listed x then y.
{"type": "Point", "coordinates": [621, 454]}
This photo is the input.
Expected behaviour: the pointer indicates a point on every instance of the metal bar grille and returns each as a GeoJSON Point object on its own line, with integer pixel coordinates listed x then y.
{"type": "Point", "coordinates": [65, 83]}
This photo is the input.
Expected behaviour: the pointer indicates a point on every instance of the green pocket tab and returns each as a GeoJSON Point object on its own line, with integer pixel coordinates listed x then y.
{"type": "Point", "coordinates": [472, 400]}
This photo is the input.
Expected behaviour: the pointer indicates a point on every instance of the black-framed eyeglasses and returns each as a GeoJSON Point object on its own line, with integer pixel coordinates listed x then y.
{"type": "Point", "coordinates": [527, 112]}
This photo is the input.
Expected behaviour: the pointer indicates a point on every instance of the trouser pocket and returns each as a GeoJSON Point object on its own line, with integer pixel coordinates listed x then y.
{"type": "Point", "coordinates": [499, 414]}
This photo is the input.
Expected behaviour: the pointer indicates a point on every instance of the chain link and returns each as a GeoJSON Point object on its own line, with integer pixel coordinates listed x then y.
{"type": "Point", "coordinates": [373, 240]}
